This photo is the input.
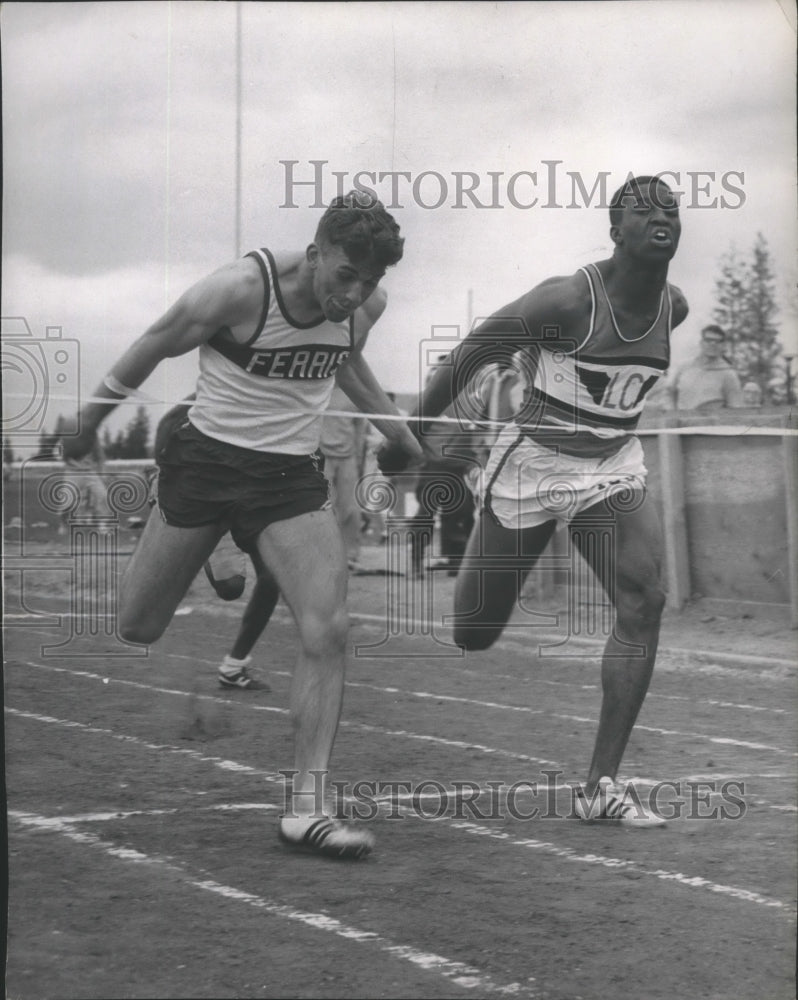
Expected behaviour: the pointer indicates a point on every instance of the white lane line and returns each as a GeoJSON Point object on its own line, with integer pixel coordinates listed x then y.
{"type": "Point", "coordinates": [469, 827]}
{"type": "Point", "coordinates": [670, 659]}
{"type": "Point", "coordinates": [525, 709]}
{"type": "Point", "coordinates": [502, 706]}
{"type": "Point", "coordinates": [258, 707]}
{"type": "Point", "coordinates": [65, 826]}
{"type": "Point", "coordinates": [623, 864]}
{"type": "Point", "coordinates": [571, 685]}
{"type": "Point", "coordinates": [115, 814]}
{"type": "Point", "coordinates": [714, 702]}
{"type": "Point", "coordinates": [229, 765]}
{"type": "Point", "coordinates": [780, 667]}
{"type": "Point", "coordinates": [427, 695]}
{"type": "Point", "coordinates": [405, 734]}
{"type": "Point", "coordinates": [462, 975]}
{"type": "Point", "coordinates": [140, 685]}
{"type": "Point", "coordinates": [220, 762]}
{"type": "Point", "coordinates": [278, 778]}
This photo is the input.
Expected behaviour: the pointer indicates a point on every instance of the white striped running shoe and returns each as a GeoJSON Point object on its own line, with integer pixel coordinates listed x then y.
{"type": "Point", "coordinates": [617, 803]}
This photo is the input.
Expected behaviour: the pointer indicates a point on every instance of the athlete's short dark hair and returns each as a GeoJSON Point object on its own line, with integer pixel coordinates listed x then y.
{"type": "Point", "coordinates": [634, 187]}
{"type": "Point", "coordinates": [359, 224]}
{"type": "Point", "coordinates": [714, 328]}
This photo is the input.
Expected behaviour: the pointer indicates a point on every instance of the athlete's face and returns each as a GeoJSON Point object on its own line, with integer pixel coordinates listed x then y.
{"type": "Point", "coordinates": [650, 226]}
{"type": "Point", "coordinates": [339, 284]}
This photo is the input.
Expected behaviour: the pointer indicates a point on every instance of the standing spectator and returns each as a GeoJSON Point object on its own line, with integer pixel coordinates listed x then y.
{"type": "Point", "coordinates": [752, 394]}
{"type": "Point", "coordinates": [708, 382]}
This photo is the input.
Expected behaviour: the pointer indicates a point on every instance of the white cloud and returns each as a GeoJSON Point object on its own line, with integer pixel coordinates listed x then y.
{"type": "Point", "coordinates": [102, 314]}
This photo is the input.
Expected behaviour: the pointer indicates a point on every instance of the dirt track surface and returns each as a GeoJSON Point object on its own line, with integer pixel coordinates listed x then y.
{"type": "Point", "coordinates": [143, 801]}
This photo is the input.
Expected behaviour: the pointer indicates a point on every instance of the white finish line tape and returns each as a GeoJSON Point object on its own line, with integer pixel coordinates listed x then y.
{"type": "Point", "coordinates": [142, 399]}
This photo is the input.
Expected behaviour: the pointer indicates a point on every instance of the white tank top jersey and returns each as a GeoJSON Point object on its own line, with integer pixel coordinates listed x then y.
{"type": "Point", "coordinates": [587, 401]}
{"type": "Point", "coordinates": [267, 388]}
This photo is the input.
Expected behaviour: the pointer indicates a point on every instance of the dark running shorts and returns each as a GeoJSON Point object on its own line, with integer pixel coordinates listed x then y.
{"type": "Point", "coordinates": [204, 481]}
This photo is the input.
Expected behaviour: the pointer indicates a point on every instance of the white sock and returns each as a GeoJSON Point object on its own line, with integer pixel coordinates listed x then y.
{"type": "Point", "coordinates": [230, 666]}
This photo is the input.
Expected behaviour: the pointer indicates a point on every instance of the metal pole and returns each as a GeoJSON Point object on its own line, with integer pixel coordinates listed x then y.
{"type": "Point", "coordinates": [790, 465]}
{"type": "Point", "coordinates": [238, 133]}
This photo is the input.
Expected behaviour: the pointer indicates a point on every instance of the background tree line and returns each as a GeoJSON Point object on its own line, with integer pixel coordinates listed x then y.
{"type": "Point", "coordinates": [132, 442]}
{"type": "Point", "coordinates": [746, 308]}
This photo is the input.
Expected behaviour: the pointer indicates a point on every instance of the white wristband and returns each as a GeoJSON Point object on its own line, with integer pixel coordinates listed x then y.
{"type": "Point", "coordinates": [115, 385]}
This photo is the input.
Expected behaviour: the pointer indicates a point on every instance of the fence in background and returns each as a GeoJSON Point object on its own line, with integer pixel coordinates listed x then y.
{"type": "Point", "coordinates": [725, 483]}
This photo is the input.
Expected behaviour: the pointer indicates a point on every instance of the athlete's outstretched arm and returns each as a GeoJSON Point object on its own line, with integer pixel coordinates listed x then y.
{"type": "Point", "coordinates": [360, 384]}
{"type": "Point", "coordinates": [550, 311]}
{"type": "Point", "coordinates": [223, 298]}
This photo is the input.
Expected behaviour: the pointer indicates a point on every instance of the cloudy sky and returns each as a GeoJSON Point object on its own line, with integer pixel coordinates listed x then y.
{"type": "Point", "coordinates": [119, 129]}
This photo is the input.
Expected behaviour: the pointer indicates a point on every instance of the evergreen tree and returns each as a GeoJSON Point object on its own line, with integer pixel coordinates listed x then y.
{"type": "Point", "coordinates": [107, 443]}
{"type": "Point", "coordinates": [763, 351]}
{"type": "Point", "coordinates": [730, 295]}
{"type": "Point", "coordinates": [746, 309]}
{"type": "Point", "coordinates": [136, 440]}
{"type": "Point", "coordinates": [48, 446]}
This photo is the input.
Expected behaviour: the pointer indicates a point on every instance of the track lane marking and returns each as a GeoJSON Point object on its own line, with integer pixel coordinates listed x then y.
{"type": "Point", "coordinates": [466, 826]}
{"type": "Point", "coordinates": [622, 864]}
{"type": "Point", "coordinates": [278, 779]}
{"type": "Point", "coordinates": [423, 695]}
{"type": "Point", "coordinates": [777, 668]}
{"type": "Point", "coordinates": [465, 976]}
{"type": "Point", "coordinates": [379, 730]}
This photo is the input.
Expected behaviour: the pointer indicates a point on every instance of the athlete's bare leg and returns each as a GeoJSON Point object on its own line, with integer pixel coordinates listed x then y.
{"type": "Point", "coordinates": [307, 557]}
{"type": "Point", "coordinates": [631, 576]}
{"type": "Point", "coordinates": [494, 567]}
{"type": "Point", "coordinates": [343, 480]}
{"type": "Point", "coordinates": [159, 573]}
{"type": "Point", "coordinates": [260, 606]}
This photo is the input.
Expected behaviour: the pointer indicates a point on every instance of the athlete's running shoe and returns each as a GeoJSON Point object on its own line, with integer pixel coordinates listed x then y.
{"type": "Point", "coordinates": [331, 839]}
{"type": "Point", "coordinates": [615, 803]}
{"type": "Point", "coordinates": [233, 674]}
